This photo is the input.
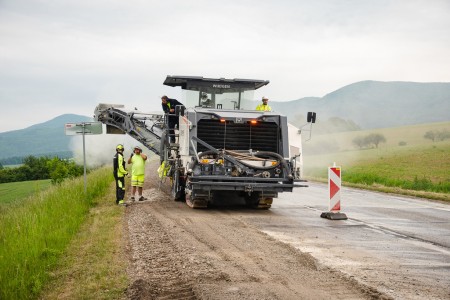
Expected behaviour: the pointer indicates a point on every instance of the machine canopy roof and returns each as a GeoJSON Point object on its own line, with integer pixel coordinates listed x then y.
{"type": "Point", "coordinates": [217, 85]}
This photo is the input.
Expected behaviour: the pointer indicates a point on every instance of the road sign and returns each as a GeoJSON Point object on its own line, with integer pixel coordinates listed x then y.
{"type": "Point", "coordinates": [83, 128]}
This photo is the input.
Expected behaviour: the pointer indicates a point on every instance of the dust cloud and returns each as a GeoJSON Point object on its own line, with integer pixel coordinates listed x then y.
{"type": "Point", "coordinates": [100, 149]}
{"type": "Point", "coordinates": [315, 156]}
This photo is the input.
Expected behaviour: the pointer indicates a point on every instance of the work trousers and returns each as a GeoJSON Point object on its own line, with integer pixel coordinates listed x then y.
{"type": "Point", "coordinates": [120, 189]}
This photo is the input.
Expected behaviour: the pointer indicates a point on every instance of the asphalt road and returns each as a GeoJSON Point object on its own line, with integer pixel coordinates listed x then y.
{"type": "Point", "coordinates": [399, 245]}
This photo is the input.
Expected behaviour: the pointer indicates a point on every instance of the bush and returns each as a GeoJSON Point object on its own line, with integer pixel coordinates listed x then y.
{"type": "Point", "coordinates": [40, 168]}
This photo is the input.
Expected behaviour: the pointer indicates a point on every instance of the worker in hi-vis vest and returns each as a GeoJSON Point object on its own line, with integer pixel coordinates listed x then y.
{"type": "Point", "coordinates": [119, 174]}
{"type": "Point", "coordinates": [137, 161]}
{"type": "Point", "coordinates": [264, 106]}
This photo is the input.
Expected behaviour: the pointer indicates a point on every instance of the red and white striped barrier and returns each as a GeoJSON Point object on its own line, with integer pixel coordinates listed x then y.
{"type": "Point", "coordinates": [334, 189]}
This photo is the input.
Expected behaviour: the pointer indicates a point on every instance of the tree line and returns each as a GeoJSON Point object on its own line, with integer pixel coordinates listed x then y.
{"type": "Point", "coordinates": [437, 135]}
{"type": "Point", "coordinates": [371, 140]}
{"type": "Point", "coordinates": [18, 160]}
{"type": "Point", "coordinates": [374, 139]}
{"type": "Point", "coordinates": [37, 168]}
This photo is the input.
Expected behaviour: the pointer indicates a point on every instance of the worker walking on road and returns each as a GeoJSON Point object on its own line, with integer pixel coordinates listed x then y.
{"type": "Point", "coordinates": [264, 106]}
{"type": "Point", "coordinates": [119, 174]}
{"type": "Point", "coordinates": [137, 159]}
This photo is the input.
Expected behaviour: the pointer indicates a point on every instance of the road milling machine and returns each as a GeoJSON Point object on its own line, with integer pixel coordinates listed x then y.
{"type": "Point", "coordinates": [224, 149]}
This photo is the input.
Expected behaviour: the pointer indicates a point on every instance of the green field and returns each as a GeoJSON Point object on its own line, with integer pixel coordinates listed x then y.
{"type": "Point", "coordinates": [419, 164]}
{"type": "Point", "coordinates": [17, 191]}
{"type": "Point", "coordinates": [342, 141]}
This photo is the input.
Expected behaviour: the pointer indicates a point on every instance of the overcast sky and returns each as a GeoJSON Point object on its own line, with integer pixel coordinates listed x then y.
{"type": "Point", "coordinates": [60, 57]}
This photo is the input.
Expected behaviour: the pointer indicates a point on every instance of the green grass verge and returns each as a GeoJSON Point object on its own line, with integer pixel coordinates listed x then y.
{"type": "Point", "coordinates": [33, 236]}
{"type": "Point", "coordinates": [424, 169]}
{"type": "Point", "coordinates": [94, 265]}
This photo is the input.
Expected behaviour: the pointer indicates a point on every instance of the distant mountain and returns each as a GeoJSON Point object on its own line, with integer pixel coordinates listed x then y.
{"type": "Point", "coordinates": [361, 105]}
{"type": "Point", "coordinates": [375, 104]}
{"type": "Point", "coordinates": [41, 139]}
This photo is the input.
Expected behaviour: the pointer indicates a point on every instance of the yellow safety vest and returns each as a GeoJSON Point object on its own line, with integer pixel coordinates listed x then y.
{"type": "Point", "coordinates": [263, 107]}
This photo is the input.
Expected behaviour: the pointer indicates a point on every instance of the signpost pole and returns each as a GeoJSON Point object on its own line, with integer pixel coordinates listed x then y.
{"type": "Point", "coordinates": [83, 125]}
{"type": "Point", "coordinates": [83, 128]}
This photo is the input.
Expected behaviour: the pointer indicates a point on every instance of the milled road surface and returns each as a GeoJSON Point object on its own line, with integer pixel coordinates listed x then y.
{"type": "Point", "coordinates": [289, 252]}
{"type": "Point", "coordinates": [397, 245]}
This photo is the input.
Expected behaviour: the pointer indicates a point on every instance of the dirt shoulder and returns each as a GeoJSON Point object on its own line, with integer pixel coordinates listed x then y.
{"type": "Point", "coordinates": [180, 253]}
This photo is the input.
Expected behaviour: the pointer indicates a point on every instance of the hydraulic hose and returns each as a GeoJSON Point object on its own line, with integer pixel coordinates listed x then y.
{"type": "Point", "coordinates": [260, 154]}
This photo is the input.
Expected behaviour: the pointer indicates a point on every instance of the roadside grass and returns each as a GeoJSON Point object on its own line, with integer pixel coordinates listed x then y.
{"type": "Point", "coordinates": [17, 191]}
{"type": "Point", "coordinates": [35, 235]}
{"type": "Point", "coordinates": [94, 265]}
{"type": "Point", "coordinates": [421, 170]}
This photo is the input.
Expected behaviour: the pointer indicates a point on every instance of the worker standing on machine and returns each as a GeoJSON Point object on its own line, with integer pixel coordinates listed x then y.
{"type": "Point", "coordinates": [168, 106]}
{"type": "Point", "coordinates": [264, 106]}
{"type": "Point", "coordinates": [119, 174]}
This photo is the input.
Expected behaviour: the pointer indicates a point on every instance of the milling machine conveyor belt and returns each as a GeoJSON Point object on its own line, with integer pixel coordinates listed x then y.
{"type": "Point", "coordinates": [147, 128]}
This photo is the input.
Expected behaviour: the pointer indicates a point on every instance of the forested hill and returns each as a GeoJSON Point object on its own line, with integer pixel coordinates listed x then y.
{"type": "Point", "coordinates": [46, 138]}
{"type": "Point", "coordinates": [362, 105]}
{"type": "Point", "coordinates": [375, 104]}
